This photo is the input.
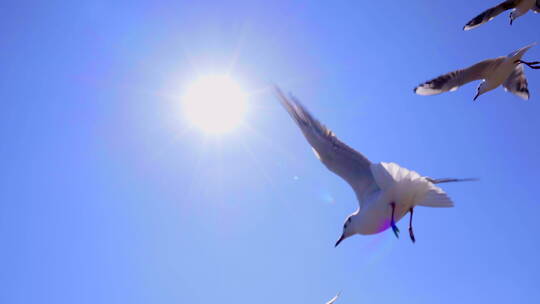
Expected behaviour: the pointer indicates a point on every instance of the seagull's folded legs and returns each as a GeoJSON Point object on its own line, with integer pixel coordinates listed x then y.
{"type": "Point", "coordinates": [393, 222]}
{"type": "Point", "coordinates": [411, 233]}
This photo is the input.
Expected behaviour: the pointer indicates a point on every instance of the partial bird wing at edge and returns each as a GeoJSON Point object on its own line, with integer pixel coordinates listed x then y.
{"type": "Point", "coordinates": [339, 158]}
{"type": "Point", "coordinates": [334, 299]}
{"type": "Point", "coordinates": [490, 13]}
{"type": "Point", "coordinates": [536, 7]}
{"type": "Point", "coordinates": [516, 83]}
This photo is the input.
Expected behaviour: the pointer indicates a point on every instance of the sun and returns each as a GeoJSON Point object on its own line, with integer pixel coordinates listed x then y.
{"type": "Point", "coordinates": [215, 103]}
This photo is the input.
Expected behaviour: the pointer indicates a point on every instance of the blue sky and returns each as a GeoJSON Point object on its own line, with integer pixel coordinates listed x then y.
{"type": "Point", "coordinates": [110, 197]}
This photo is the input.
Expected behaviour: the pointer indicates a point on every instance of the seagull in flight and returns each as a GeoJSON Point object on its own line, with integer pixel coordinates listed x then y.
{"type": "Point", "coordinates": [505, 70]}
{"type": "Point", "coordinates": [386, 192]}
{"type": "Point", "coordinates": [518, 7]}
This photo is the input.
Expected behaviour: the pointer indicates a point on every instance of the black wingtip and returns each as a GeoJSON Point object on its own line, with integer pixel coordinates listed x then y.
{"type": "Point", "coordinates": [451, 180]}
{"type": "Point", "coordinates": [470, 179]}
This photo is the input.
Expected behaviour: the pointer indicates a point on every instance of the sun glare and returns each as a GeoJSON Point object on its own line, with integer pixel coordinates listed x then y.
{"type": "Point", "coordinates": [216, 104]}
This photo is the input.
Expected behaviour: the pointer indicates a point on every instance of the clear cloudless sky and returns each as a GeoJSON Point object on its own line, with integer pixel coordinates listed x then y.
{"type": "Point", "coordinates": [109, 196]}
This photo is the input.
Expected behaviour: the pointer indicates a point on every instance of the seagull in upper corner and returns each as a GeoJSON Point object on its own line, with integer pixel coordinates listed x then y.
{"type": "Point", "coordinates": [505, 70]}
{"type": "Point", "coordinates": [518, 7]}
{"type": "Point", "coordinates": [333, 299]}
{"type": "Point", "coordinates": [385, 192]}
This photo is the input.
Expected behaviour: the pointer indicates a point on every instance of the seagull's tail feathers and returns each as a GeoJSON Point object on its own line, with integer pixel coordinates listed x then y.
{"type": "Point", "coordinates": [408, 185]}
{"type": "Point", "coordinates": [436, 197]}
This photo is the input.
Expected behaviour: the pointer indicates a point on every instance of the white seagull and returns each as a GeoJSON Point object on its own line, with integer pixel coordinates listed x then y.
{"type": "Point", "coordinates": [385, 192]}
{"type": "Point", "coordinates": [505, 70]}
{"type": "Point", "coordinates": [518, 7]}
{"type": "Point", "coordinates": [333, 299]}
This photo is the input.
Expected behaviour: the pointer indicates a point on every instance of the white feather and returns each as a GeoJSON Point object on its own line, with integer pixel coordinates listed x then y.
{"type": "Point", "coordinates": [408, 187]}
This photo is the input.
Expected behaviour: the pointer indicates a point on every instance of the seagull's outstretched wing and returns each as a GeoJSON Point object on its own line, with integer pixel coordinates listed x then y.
{"type": "Point", "coordinates": [453, 80]}
{"type": "Point", "coordinates": [333, 299]}
{"type": "Point", "coordinates": [490, 14]}
{"type": "Point", "coordinates": [339, 158]}
{"type": "Point", "coordinates": [516, 83]}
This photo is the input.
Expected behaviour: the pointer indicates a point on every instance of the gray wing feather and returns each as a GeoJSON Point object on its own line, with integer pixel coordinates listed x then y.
{"type": "Point", "coordinates": [516, 83]}
{"type": "Point", "coordinates": [491, 13]}
{"type": "Point", "coordinates": [339, 158]}
{"type": "Point", "coordinates": [453, 80]}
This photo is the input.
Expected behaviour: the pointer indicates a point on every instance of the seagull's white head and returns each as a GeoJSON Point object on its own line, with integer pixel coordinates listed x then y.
{"type": "Point", "coordinates": [349, 228]}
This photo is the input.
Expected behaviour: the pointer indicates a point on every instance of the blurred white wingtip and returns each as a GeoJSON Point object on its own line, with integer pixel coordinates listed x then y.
{"type": "Point", "coordinates": [334, 298]}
